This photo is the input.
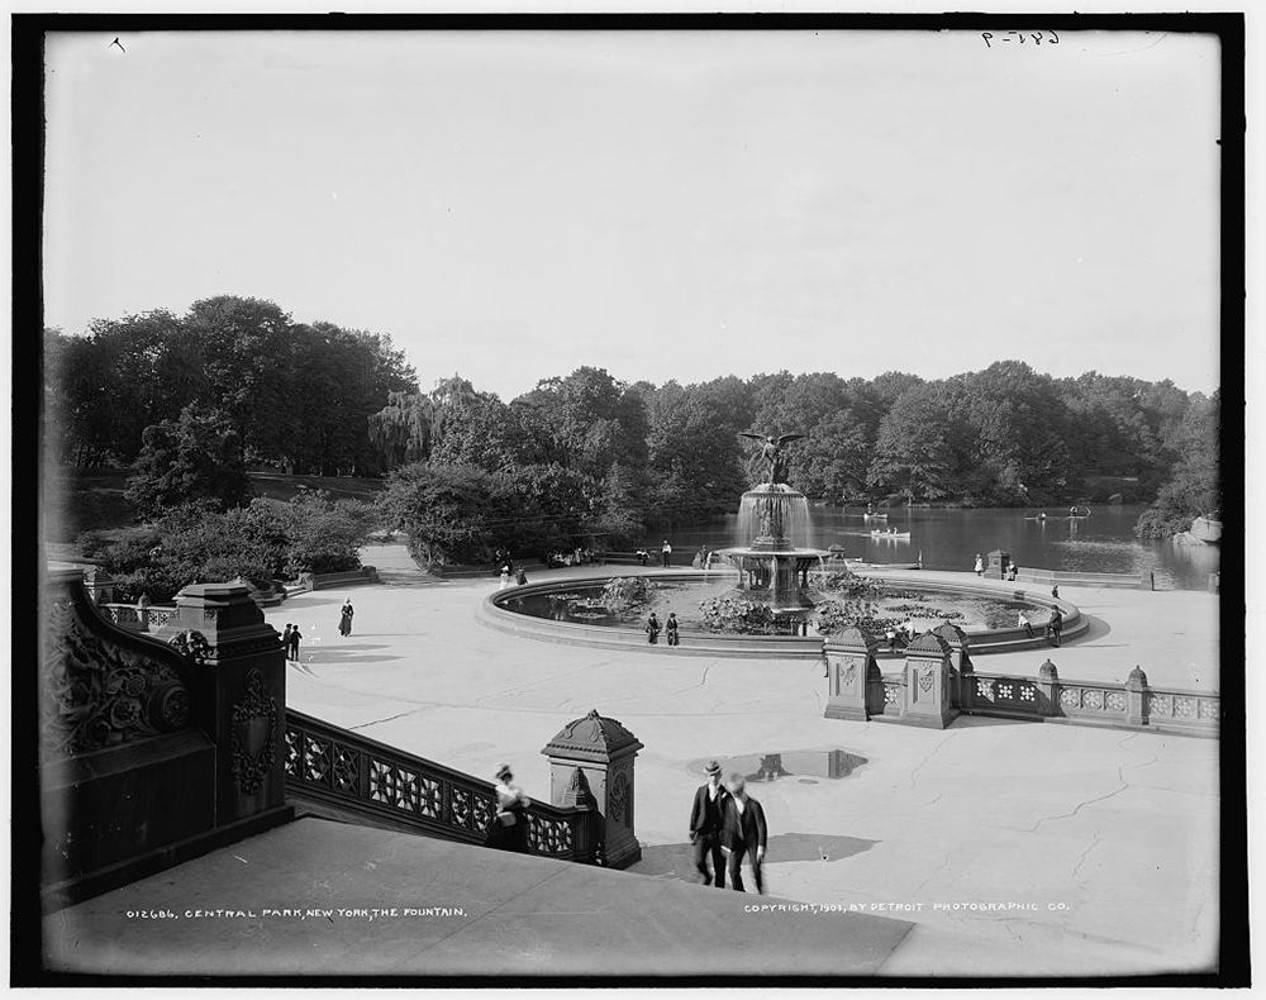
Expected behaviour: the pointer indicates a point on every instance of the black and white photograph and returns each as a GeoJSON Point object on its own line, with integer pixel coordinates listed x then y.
{"type": "Point", "coordinates": [497, 480]}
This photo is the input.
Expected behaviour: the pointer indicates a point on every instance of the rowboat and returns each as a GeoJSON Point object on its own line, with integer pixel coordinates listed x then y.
{"type": "Point", "coordinates": [875, 517]}
{"type": "Point", "coordinates": [1076, 510]}
{"type": "Point", "coordinates": [895, 535]}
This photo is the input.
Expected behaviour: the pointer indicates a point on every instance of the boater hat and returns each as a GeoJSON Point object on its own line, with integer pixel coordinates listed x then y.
{"type": "Point", "coordinates": [713, 767]}
{"type": "Point", "coordinates": [503, 771]}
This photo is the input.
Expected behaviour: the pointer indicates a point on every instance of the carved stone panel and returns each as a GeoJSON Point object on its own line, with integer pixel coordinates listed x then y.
{"type": "Point", "coordinates": [253, 734]}
{"type": "Point", "coordinates": [99, 692]}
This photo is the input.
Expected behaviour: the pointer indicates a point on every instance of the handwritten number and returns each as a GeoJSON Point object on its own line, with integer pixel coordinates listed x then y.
{"type": "Point", "coordinates": [1038, 37]}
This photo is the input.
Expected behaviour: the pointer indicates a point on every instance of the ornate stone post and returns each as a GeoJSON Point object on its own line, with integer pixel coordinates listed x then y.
{"type": "Point", "coordinates": [851, 672]}
{"type": "Point", "coordinates": [1136, 697]}
{"type": "Point", "coordinates": [100, 585]}
{"type": "Point", "coordinates": [240, 699]}
{"type": "Point", "coordinates": [603, 751]}
{"type": "Point", "coordinates": [927, 688]}
{"type": "Point", "coordinates": [960, 661]}
{"type": "Point", "coordinates": [1048, 689]}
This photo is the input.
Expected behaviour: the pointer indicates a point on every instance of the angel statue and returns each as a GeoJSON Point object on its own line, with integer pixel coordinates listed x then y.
{"type": "Point", "coordinates": [772, 452]}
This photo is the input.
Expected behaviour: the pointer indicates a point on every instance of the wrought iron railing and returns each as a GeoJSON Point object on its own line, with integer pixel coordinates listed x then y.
{"type": "Point", "coordinates": [365, 777]}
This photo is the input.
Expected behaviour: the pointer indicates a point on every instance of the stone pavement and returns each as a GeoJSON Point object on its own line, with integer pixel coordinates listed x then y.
{"type": "Point", "coordinates": [1111, 836]}
{"type": "Point", "coordinates": [323, 898]}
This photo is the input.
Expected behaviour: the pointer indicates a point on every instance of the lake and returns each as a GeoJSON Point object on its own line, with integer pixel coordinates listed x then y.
{"type": "Point", "coordinates": [1104, 542]}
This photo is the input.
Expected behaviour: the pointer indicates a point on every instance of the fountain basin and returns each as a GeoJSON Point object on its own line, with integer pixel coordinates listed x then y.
{"type": "Point", "coordinates": [502, 610]}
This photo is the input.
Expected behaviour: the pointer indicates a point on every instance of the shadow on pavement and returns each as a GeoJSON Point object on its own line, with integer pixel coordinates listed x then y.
{"type": "Point", "coordinates": [980, 722]}
{"type": "Point", "coordinates": [677, 860]}
{"type": "Point", "coordinates": [338, 651]}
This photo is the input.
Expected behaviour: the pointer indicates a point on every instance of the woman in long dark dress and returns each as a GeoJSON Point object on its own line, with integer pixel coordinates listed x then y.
{"type": "Point", "coordinates": [345, 619]}
{"type": "Point", "coordinates": [508, 830]}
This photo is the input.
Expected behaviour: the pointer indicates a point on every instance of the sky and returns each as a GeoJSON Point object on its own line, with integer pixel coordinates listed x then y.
{"type": "Point", "coordinates": [511, 206]}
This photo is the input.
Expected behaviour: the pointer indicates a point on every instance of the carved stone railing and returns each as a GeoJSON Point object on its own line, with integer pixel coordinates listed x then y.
{"type": "Point", "coordinates": [1183, 707]}
{"type": "Point", "coordinates": [894, 695]}
{"type": "Point", "coordinates": [153, 748]}
{"type": "Point", "coordinates": [1132, 704]}
{"type": "Point", "coordinates": [1001, 693]}
{"type": "Point", "coordinates": [137, 617]}
{"type": "Point", "coordinates": [362, 776]}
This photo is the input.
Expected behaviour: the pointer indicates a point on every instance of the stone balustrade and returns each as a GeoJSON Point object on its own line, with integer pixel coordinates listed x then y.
{"type": "Point", "coordinates": [138, 617]}
{"type": "Point", "coordinates": [360, 776]}
{"type": "Point", "coordinates": [939, 681]}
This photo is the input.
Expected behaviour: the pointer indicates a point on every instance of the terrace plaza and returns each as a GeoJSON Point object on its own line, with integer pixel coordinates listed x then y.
{"type": "Point", "coordinates": [993, 847]}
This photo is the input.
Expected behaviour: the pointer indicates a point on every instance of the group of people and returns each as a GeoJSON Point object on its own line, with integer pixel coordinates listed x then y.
{"type": "Point", "coordinates": [665, 555]}
{"type": "Point", "coordinates": [653, 628]}
{"type": "Point", "coordinates": [727, 826]}
{"type": "Point", "coordinates": [903, 633]}
{"type": "Point", "coordinates": [1010, 569]}
{"type": "Point", "coordinates": [507, 571]}
{"type": "Point", "coordinates": [290, 641]}
{"type": "Point", "coordinates": [1054, 625]}
{"type": "Point", "coordinates": [291, 636]}
{"type": "Point", "coordinates": [577, 557]}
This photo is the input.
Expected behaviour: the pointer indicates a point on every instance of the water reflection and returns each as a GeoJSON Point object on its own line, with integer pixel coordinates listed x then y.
{"type": "Point", "coordinates": [947, 539]}
{"type": "Point", "coordinates": [767, 767]}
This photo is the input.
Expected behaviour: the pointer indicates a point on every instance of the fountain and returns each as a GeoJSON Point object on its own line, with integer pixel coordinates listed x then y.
{"type": "Point", "coordinates": [774, 554]}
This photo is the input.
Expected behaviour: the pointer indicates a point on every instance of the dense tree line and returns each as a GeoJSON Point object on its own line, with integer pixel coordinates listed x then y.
{"type": "Point", "coordinates": [298, 396]}
{"type": "Point", "coordinates": [192, 402]}
{"type": "Point", "coordinates": [639, 455]}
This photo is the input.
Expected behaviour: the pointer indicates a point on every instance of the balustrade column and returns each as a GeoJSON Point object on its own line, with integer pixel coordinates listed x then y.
{"type": "Point", "coordinates": [1048, 689]}
{"type": "Point", "coordinates": [853, 678]}
{"type": "Point", "coordinates": [1136, 707]}
{"type": "Point", "coordinates": [927, 683]}
{"type": "Point", "coordinates": [241, 696]}
{"type": "Point", "coordinates": [597, 755]}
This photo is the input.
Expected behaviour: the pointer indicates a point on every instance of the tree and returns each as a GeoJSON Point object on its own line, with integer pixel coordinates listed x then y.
{"type": "Point", "coordinates": [694, 450]}
{"type": "Point", "coordinates": [446, 511]}
{"type": "Point", "coordinates": [1194, 489]}
{"type": "Point", "coordinates": [401, 430]}
{"type": "Point", "coordinates": [917, 451]}
{"type": "Point", "coordinates": [196, 457]}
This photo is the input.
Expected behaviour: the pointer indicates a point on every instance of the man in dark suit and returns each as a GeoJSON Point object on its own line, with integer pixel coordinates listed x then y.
{"type": "Point", "coordinates": [706, 818]}
{"type": "Point", "coordinates": [743, 832]}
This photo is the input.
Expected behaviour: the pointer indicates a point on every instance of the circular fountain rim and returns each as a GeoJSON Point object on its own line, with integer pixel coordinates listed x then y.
{"type": "Point", "coordinates": [493, 613]}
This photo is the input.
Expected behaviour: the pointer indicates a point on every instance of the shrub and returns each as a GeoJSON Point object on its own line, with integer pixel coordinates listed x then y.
{"type": "Point", "coordinates": [261, 542]}
{"type": "Point", "coordinates": [736, 614]}
{"type": "Point", "coordinates": [622, 593]}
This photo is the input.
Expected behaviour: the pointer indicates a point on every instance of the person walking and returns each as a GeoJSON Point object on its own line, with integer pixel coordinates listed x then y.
{"type": "Point", "coordinates": [285, 639]}
{"type": "Point", "coordinates": [508, 829]}
{"type": "Point", "coordinates": [1055, 626]}
{"type": "Point", "coordinates": [505, 576]}
{"type": "Point", "coordinates": [707, 816]}
{"type": "Point", "coordinates": [652, 630]}
{"type": "Point", "coordinates": [743, 832]}
{"type": "Point", "coordinates": [295, 636]}
{"type": "Point", "coordinates": [980, 565]}
{"type": "Point", "coordinates": [345, 619]}
{"type": "Point", "coordinates": [521, 578]}
{"type": "Point", "coordinates": [666, 554]}
{"type": "Point", "coordinates": [670, 629]}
